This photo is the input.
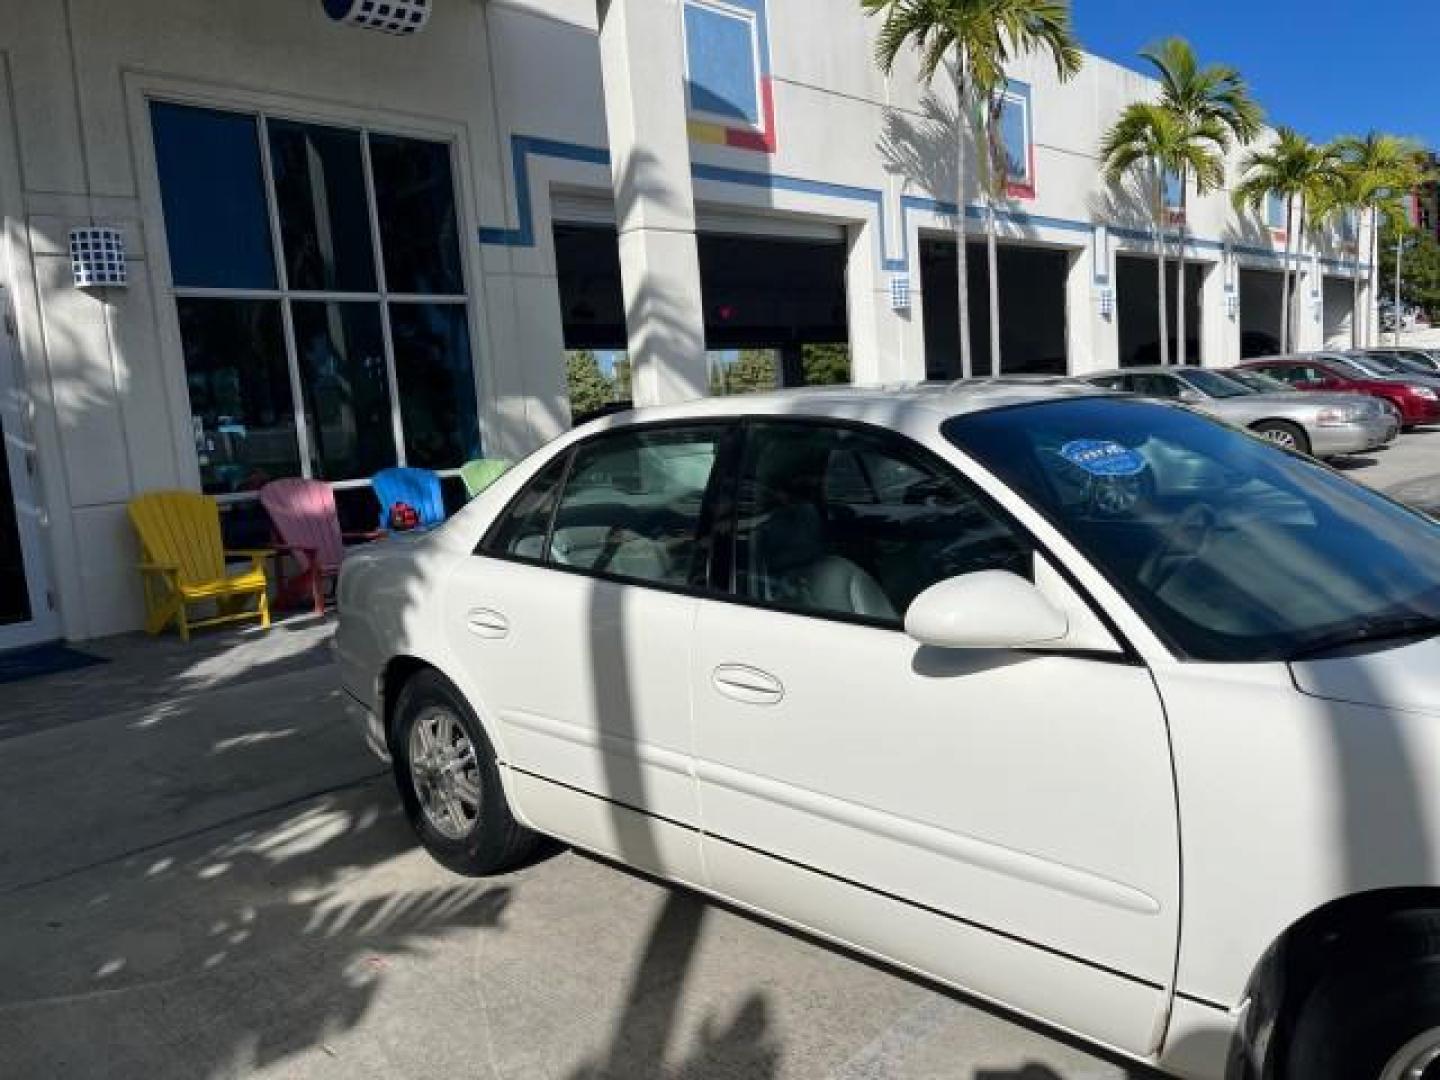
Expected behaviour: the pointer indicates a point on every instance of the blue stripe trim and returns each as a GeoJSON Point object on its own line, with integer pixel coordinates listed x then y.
{"type": "Point", "coordinates": [523, 147]}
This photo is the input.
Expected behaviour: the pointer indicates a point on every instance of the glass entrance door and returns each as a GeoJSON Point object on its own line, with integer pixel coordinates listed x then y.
{"type": "Point", "coordinates": [25, 613]}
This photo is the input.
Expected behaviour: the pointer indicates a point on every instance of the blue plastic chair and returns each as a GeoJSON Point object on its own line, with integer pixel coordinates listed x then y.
{"type": "Point", "coordinates": [419, 488]}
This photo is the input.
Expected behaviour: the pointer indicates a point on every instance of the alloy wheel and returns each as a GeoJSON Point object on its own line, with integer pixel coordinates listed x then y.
{"type": "Point", "coordinates": [445, 772]}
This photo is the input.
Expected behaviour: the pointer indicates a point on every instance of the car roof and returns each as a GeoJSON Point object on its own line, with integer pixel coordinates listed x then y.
{"type": "Point", "coordinates": [892, 405]}
{"type": "Point", "coordinates": [1144, 369]}
{"type": "Point", "coordinates": [1297, 358]}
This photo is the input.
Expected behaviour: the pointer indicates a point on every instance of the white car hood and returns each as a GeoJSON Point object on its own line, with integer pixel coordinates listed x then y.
{"type": "Point", "coordinates": [1387, 675]}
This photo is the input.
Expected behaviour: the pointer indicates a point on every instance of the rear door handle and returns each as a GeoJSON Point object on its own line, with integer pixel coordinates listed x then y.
{"type": "Point", "coordinates": [487, 623]}
{"type": "Point", "coordinates": [747, 684]}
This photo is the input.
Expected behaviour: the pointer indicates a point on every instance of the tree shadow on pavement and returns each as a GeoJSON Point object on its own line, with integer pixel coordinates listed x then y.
{"type": "Point", "coordinates": [740, 1048]}
{"type": "Point", "coordinates": [229, 953]}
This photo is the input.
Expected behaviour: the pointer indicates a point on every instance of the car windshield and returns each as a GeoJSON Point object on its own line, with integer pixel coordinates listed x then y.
{"type": "Point", "coordinates": [1401, 363]}
{"type": "Point", "coordinates": [1261, 383]}
{"type": "Point", "coordinates": [1231, 549]}
{"type": "Point", "coordinates": [1215, 385]}
{"type": "Point", "coordinates": [1367, 366]}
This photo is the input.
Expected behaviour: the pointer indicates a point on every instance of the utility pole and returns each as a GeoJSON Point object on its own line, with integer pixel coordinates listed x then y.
{"type": "Point", "coordinates": [1399, 251]}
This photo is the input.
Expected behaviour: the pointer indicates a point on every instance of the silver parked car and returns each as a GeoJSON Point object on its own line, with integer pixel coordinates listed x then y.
{"type": "Point", "coordinates": [1323, 425]}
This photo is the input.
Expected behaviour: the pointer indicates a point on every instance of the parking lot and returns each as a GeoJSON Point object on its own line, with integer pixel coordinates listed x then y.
{"type": "Point", "coordinates": [204, 872]}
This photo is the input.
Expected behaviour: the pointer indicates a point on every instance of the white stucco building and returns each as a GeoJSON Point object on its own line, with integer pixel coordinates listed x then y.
{"type": "Point", "coordinates": [347, 249]}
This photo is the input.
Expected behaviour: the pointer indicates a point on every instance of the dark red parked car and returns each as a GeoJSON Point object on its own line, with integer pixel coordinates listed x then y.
{"type": "Point", "coordinates": [1416, 404]}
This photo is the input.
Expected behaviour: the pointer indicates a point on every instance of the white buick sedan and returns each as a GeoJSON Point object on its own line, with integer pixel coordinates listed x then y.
{"type": "Point", "coordinates": [1089, 706]}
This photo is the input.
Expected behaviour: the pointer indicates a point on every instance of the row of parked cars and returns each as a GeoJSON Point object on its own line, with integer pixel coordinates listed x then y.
{"type": "Point", "coordinates": [1327, 404]}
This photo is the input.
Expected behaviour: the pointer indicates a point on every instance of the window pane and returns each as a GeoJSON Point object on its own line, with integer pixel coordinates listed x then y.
{"type": "Point", "coordinates": [347, 396]}
{"type": "Point", "coordinates": [213, 195]}
{"type": "Point", "coordinates": [240, 402]}
{"type": "Point", "coordinates": [415, 197]}
{"type": "Point", "coordinates": [837, 521]}
{"type": "Point", "coordinates": [437, 384]}
{"type": "Point", "coordinates": [632, 506]}
{"type": "Point", "coordinates": [324, 214]}
{"type": "Point", "coordinates": [522, 530]}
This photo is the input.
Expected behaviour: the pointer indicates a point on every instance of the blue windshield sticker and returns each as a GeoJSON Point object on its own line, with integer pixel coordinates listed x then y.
{"type": "Point", "coordinates": [1101, 457]}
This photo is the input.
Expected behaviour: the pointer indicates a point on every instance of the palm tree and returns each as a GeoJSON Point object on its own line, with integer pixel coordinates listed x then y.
{"type": "Point", "coordinates": [1155, 141]}
{"type": "Point", "coordinates": [1297, 170]}
{"type": "Point", "coordinates": [978, 38]}
{"type": "Point", "coordinates": [1215, 92]}
{"type": "Point", "coordinates": [1375, 172]}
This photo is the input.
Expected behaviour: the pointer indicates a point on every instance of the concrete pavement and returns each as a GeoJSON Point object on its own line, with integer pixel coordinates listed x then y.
{"type": "Point", "coordinates": [203, 874]}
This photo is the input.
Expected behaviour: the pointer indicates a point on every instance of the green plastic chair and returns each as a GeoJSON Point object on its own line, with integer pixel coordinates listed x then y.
{"type": "Point", "coordinates": [481, 473]}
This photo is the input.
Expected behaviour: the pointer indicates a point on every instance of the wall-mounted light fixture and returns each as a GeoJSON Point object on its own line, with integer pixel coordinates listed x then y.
{"type": "Point", "coordinates": [1232, 304]}
{"type": "Point", "coordinates": [1105, 301]}
{"type": "Point", "coordinates": [97, 257]}
{"type": "Point", "coordinates": [900, 292]}
{"type": "Point", "coordinates": [401, 17]}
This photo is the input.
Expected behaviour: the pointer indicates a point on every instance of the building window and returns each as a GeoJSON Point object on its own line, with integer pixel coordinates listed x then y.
{"type": "Point", "coordinates": [728, 87]}
{"type": "Point", "coordinates": [321, 297]}
{"type": "Point", "coordinates": [721, 57]}
{"type": "Point", "coordinates": [1017, 140]}
{"type": "Point", "coordinates": [1174, 196]}
{"type": "Point", "coordinates": [1275, 211]}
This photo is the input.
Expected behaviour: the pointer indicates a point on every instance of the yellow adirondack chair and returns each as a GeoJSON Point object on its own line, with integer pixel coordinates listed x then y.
{"type": "Point", "coordinates": [184, 564]}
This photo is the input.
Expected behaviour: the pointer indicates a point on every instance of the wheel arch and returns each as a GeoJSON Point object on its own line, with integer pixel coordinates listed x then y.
{"type": "Point", "coordinates": [1301, 953]}
{"type": "Point", "coordinates": [398, 670]}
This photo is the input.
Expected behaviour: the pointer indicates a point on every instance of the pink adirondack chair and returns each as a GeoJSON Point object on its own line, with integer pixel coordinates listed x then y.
{"type": "Point", "coordinates": [307, 528]}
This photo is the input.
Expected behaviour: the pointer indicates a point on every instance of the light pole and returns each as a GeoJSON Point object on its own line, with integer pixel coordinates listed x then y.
{"type": "Point", "coordinates": [1399, 251]}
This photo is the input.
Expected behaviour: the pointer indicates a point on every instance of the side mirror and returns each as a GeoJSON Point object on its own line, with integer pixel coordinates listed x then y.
{"type": "Point", "coordinates": [989, 609]}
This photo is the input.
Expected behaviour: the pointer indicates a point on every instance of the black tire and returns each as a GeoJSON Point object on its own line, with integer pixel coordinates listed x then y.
{"type": "Point", "coordinates": [1377, 1000]}
{"type": "Point", "coordinates": [494, 841]}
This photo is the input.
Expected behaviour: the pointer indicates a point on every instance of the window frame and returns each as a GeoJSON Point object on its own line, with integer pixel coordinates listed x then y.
{"type": "Point", "coordinates": [910, 450]}
{"type": "Point", "coordinates": [705, 529]}
{"type": "Point", "coordinates": [718, 519]}
{"type": "Point", "coordinates": [141, 89]}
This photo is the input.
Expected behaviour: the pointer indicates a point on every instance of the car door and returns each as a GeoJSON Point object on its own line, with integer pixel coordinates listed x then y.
{"type": "Point", "coordinates": [573, 626]}
{"type": "Point", "coordinates": [1004, 820]}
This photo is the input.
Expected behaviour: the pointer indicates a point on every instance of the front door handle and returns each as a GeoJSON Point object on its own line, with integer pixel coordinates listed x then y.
{"type": "Point", "coordinates": [487, 623]}
{"type": "Point", "coordinates": [747, 684]}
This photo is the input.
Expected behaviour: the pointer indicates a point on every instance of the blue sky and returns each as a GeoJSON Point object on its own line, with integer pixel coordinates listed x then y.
{"type": "Point", "coordinates": [1323, 67]}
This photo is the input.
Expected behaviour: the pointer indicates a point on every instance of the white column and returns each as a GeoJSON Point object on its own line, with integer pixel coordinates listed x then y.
{"type": "Point", "coordinates": [1309, 310]}
{"type": "Point", "coordinates": [886, 345]}
{"type": "Point", "coordinates": [1092, 339]}
{"type": "Point", "coordinates": [1219, 333]}
{"type": "Point", "coordinates": [641, 57]}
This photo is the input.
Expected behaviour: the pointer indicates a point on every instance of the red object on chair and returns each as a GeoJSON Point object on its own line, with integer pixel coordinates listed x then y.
{"type": "Point", "coordinates": [307, 526]}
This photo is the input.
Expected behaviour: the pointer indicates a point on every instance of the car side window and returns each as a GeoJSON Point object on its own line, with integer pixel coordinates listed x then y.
{"type": "Point", "coordinates": [842, 521]}
{"type": "Point", "coordinates": [632, 505]}
{"type": "Point", "coordinates": [521, 530]}
{"type": "Point", "coordinates": [1113, 382]}
{"type": "Point", "coordinates": [1160, 386]}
